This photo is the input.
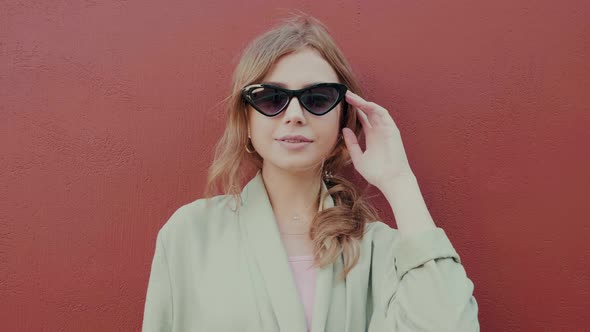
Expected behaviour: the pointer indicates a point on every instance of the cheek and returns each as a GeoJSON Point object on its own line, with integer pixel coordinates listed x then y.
{"type": "Point", "coordinates": [255, 122]}
{"type": "Point", "coordinates": [330, 131]}
{"type": "Point", "coordinates": [336, 121]}
{"type": "Point", "coordinates": [261, 129]}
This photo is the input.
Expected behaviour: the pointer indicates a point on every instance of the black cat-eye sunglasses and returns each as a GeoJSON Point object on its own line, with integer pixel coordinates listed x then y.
{"type": "Point", "coordinates": [271, 100]}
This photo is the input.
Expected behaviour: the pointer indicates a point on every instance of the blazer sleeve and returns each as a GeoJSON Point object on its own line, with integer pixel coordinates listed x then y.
{"type": "Point", "coordinates": [432, 291]}
{"type": "Point", "coordinates": [157, 316]}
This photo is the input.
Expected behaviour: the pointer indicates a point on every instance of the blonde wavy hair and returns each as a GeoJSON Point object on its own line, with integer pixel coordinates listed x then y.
{"type": "Point", "coordinates": [334, 231]}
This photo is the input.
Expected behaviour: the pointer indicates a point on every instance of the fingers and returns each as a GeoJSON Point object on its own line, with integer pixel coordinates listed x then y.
{"type": "Point", "coordinates": [375, 113]}
{"type": "Point", "coordinates": [364, 120]}
{"type": "Point", "coordinates": [358, 101]}
{"type": "Point", "coordinates": [352, 144]}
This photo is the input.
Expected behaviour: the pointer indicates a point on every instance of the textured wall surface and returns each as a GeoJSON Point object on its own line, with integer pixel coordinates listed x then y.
{"type": "Point", "coordinates": [109, 111]}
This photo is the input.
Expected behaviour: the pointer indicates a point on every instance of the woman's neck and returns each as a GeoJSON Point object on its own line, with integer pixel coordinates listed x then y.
{"type": "Point", "coordinates": [291, 194]}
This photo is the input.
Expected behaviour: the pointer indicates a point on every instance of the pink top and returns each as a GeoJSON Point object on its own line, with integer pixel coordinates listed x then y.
{"type": "Point", "coordinates": [304, 274]}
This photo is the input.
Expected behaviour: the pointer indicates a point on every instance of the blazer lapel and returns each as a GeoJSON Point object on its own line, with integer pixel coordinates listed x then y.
{"type": "Point", "coordinates": [258, 222]}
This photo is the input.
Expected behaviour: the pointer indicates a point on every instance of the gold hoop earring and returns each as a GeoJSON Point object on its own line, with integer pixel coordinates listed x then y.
{"type": "Point", "coordinates": [246, 147]}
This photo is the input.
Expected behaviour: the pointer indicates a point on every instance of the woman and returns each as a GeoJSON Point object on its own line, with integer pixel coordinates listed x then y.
{"type": "Point", "coordinates": [298, 248]}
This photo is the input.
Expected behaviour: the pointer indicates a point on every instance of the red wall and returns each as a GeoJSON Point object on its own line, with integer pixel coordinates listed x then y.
{"type": "Point", "coordinates": [108, 115]}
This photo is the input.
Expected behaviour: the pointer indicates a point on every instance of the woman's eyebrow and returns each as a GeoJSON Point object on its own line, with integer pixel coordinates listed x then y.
{"type": "Point", "coordinates": [284, 85]}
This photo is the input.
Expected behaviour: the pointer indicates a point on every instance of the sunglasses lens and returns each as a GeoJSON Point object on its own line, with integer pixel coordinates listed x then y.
{"type": "Point", "coordinates": [318, 100]}
{"type": "Point", "coordinates": [268, 100]}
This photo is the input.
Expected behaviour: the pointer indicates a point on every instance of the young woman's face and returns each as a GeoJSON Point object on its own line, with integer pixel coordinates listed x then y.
{"type": "Point", "coordinates": [295, 71]}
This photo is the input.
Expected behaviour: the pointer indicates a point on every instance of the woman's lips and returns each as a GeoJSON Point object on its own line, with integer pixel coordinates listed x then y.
{"type": "Point", "coordinates": [293, 145]}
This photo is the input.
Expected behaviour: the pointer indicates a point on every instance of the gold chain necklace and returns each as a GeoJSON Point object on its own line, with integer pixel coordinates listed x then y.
{"type": "Point", "coordinates": [297, 219]}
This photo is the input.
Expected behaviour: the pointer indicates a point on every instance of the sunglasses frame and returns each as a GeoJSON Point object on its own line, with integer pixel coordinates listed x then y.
{"type": "Point", "coordinates": [246, 91]}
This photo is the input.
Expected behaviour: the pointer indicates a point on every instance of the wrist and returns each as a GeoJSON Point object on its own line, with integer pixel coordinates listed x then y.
{"type": "Point", "coordinates": [391, 186]}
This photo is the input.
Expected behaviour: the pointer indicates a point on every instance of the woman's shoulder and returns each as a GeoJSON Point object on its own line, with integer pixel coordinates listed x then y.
{"type": "Point", "coordinates": [378, 231]}
{"type": "Point", "coordinates": [198, 215]}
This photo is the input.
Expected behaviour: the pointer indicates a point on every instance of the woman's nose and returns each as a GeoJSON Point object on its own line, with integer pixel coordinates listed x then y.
{"type": "Point", "coordinates": [294, 111]}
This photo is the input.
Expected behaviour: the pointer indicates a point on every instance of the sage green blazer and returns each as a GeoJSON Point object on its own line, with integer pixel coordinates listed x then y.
{"type": "Point", "coordinates": [217, 268]}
